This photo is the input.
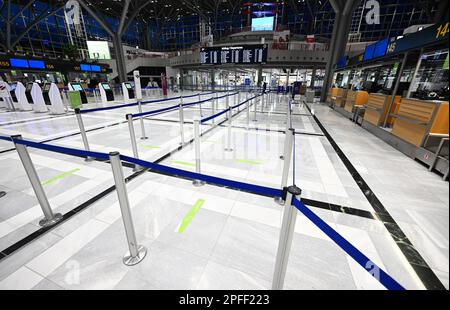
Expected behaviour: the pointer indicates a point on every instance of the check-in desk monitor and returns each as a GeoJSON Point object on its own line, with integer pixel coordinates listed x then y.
{"type": "Point", "coordinates": [77, 87]}
{"type": "Point", "coordinates": [13, 92]}
{"type": "Point", "coordinates": [28, 93]}
{"type": "Point", "coordinates": [45, 90]}
{"type": "Point", "coordinates": [128, 91]}
{"type": "Point", "coordinates": [108, 93]}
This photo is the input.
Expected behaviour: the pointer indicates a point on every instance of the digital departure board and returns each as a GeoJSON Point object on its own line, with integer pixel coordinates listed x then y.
{"type": "Point", "coordinates": [243, 54]}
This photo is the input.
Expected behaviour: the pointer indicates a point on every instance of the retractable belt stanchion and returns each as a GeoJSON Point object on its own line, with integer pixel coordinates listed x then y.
{"type": "Point", "coordinates": [181, 110]}
{"type": "Point", "coordinates": [136, 252]}
{"type": "Point", "coordinates": [133, 140]}
{"type": "Point", "coordinates": [141, 120]}
{"type": "Point", "coordinates": [197, 142]}
{"type": "Point", "coordinates": [288, 116]}
{"type": "Point", "coordinates": [214, 106]}
{"type": "Point", "coordinates": [248, 114]}
{"type": "Point", "coordinates": [255, 118]}
{"type": "Point", "coordinates": [230, 124]}
{"type": "Point", "coordinates": [287, 157]}
{"type": "Point", "coordinates": [83, 133]}
{"type": "Point", "coordinates": [286, 235]}
{"type": "Point", "coordinates": [50, 218]}
{"type": "Point", "coordinates": [262, 103]}
{"type": "Point", "coordinates": [200, 104]}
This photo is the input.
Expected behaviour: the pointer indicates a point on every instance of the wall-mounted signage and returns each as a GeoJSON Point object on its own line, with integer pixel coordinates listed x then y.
{"type": "Point", "coordinates": [245, 54]}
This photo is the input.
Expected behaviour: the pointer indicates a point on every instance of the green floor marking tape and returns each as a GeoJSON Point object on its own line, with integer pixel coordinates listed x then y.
{"type": "Point", "coordinates": [151, 146]}
{"type": "Point", "coordinates": [184, 163]}
{"type": "Point", "coordinates": [250, 162]}
{"type": "Point", "coordinates": [190, 216]}
{"type": "Point", "coordinates": [61, 176]}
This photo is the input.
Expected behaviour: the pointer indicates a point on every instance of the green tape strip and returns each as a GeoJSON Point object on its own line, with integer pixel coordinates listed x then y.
{"type": "Point", "coordinates": [61, 176]}
{"type": "Point", "coordinates": [150, 146]}
{"type": "Point", "coordinates": [190, 215]}
{"type": "Point", "coordinates": [250, 162]}
{"type": "Point", "coordinates": [184, 163]}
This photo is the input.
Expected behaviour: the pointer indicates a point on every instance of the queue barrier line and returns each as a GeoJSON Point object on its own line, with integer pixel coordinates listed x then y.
{"type": "Point", "coordinates": [134, 104]}
{"type": "Point", "coordinates": [378, 273]}
{"type": "Point", "coordinates": [206, 119]}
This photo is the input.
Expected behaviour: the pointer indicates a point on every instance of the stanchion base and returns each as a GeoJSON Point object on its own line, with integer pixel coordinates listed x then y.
{"type": "Point", "coordinates": [47, 223]}
{"type": "Point", "coordinates": [198, 183]}
{"type": "Point", "coordinates": [279, 201]}
{"type": "Point", "coordinates": [144, 138]}
{"type": "Point", "coordinates": [129, 260]}
{"type": "Point", "coordinates": [2, 194]}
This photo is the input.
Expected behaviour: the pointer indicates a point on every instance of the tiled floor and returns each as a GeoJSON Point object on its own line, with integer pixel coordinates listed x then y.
{"type": "Point", "coordinates": [231, 243]}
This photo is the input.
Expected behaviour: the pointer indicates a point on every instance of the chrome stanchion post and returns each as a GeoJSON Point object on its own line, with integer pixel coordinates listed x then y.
{"type": "Point", "coordinates": [287, 157]}
{"type": "Point", "coordinates": [288, 116]}
{"type": "Point", "coordinates": [248, 114]}
{"type": "Point", "coordinates": [136, 252]}
{"type": "Point", "coordinates": [262, 103]}
{"type": "Point", "coordinates": [141, 120]}
{"type": "Point", "coordinates": [255, 118]}
{"type": "Point", "coordinates": [50, 218]}
{"type": "Point", "coordinates": [133, 140]}
{"type": "Point", "coordinates": [83, 133]}
{"type": "Point", "coordinates": [230, 124]}
{"type": "Point", "coordinates": [214, 106]}
{"type": "Point", "coordinates": [197, 142]}
{"type": "Point", "coordinates": [200, 104]}
{"type": "Point", "coordinates": [286, 236]}
{"type": "Point", "coordinates": [181, 110]}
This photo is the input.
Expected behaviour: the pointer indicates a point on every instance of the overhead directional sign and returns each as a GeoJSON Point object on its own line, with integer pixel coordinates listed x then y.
{"type": "Point", "coordinates": [243, 54]}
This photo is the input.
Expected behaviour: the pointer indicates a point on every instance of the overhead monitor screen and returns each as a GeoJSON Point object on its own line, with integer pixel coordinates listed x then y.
{"type": "Point", "coordinates": [369, 52]}
{"type": "Point", "coordinates": [77, 87]}
{"type": "Point", "coordinates": [244, 54]}
{"type": "Point", "coordinates": [18, 63]}
{"type": "Point", "coordinates": [46, 87]}
{"type": "Point", "coordinates": [13, 87]}
{"type": "Point", "coordinates": [263, 23]}
{"type": "Point", "coordinates": [85, 67]}
{"type": "Point", "coordinates": [106, 86]}
{"type": "Point", "coordinates": [96, 68]}
{"type": "Point", "coordinates": [128, 85]}
{"type": "Point", "coordinates": [98, 50]}
{"type": "Point", "coordinates": [36, 64]}
{"type": "Point", "coordinates": [381, 48]}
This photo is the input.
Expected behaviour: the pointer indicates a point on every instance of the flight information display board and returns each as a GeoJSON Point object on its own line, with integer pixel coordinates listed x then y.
{"type": "Point", "coordinates": [243, 54]}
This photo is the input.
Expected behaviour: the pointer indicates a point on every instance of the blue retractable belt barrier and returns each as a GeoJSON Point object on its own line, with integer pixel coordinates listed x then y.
{"type": "Point", "coordinates": [169, 108]}
{"type": "Point", "coordinates": [214, 116]}
{"type": "Point", "coordinates": [357, 255]}
{"type": "Point", "coordinates": [6, 138]}
{"type": "Point", "coordinates": [61, 149]}
{"type": "Point", "coordinates": [256, 189]}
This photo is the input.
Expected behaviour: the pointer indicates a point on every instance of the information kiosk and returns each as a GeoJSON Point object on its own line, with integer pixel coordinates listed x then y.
{"type": "Point", "coordinates": [5, 97]}
{"type": "Point", "coordinates": [28, 89]}
{"type": "Point", "coordinates": [22, 98]}
{"type": "Point", "coordinates": [79, 88]}
{"type": "Point", "coordinates": [128, 91]}
{"type": "Point", "coordinates": [106, 92]}
{"type": "Point", "coordinates": [57, 106]}
{"type": "Point", "coordinates": [38, 99]}
{"type": "Point", "coordinates": [45, 93]}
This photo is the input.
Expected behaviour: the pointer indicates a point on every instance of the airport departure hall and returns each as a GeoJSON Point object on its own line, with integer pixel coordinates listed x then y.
{"type": "Point", "coordinates": [205, 145]}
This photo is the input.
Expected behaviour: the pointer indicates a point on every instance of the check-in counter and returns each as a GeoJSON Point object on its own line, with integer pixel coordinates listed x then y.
{"type": "Point", "coordinates": [377, 108]}
{"type": "Point", "coordinates": [417, 119]}
{"type": "Point", "coordinates": [341, 95]}
{"type": "Point", "coordinates": [355, 99]}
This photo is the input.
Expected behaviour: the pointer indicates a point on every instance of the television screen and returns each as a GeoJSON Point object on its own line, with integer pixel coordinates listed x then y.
{"type": "Point", "coordinates": [96, 68]}
{"type": "Point", "coordinates": [18, 63]}
{"type": "Point", "coordinates": [77, 87]}
{"type": "Point", "coordinates": [381, 48]}
{"type": "Point", "coordinates": [369, 52]}
{"type": "Point", "coordinates": [263, 23]}
{"type": "Point", "coordinates": [128, 85]}
{"type": "Point", "coordinates": [46, 87]}
{"type": "Point", "coordinates": [85, 67]}
{"type": "Point", "coordinates": [98, 49]}
{"type": "Point", "coordinates": [36, 64]}
{"type": "Point", "coordinates": [13, 86]}
{"type": "Point", "coordinates": [29, 86]}
{"type": "Point", "coordinates": [106, 86]}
